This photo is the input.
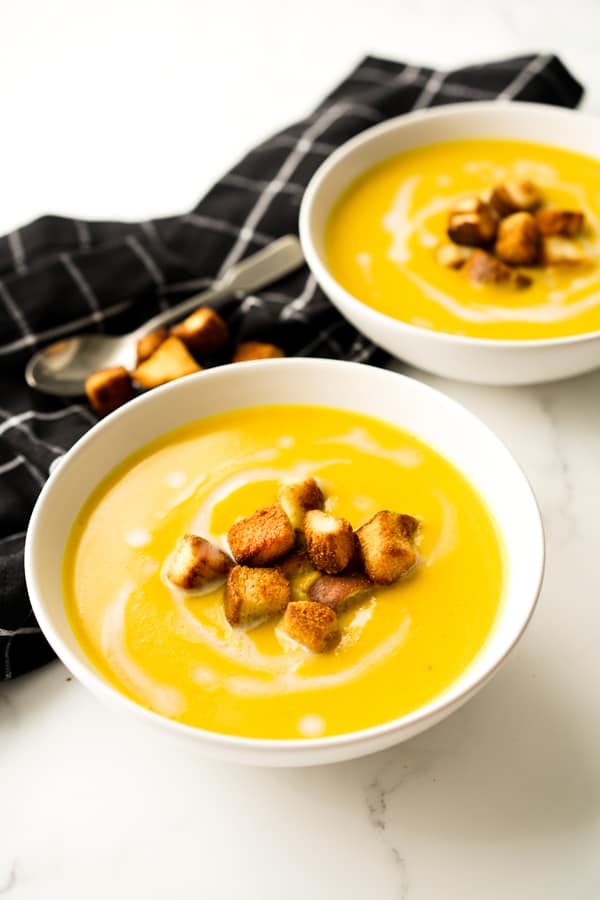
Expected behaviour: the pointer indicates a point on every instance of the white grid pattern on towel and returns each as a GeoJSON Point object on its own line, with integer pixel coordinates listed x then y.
{"type": "Point", "coordinates": [31, 339]}
{"type": "Point", "coordinates": [14, 421]}
{"type": "Point", "coordinates": [18, 422]}
{"type": "Point", "coordinates": [453, 90]}
{"type": "Point", "coordinates": [303, 146]}
{"type": "Point", "coordinates": [224, 227]}
{"type": "Point", "coordinates": [14, 311]}
{"type": "Point", "coordinates": [17, 249]}
{"type": "Point", "coordinates": [85, 288]}
{"type": "Point", "coordinates": [84, 237]}
{"type": "Point", "coordinates": [535, 67]}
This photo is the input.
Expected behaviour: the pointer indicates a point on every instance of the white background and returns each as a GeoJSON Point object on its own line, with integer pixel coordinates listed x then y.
{"type": "Point", "coordinates": [124, 109]}
{"type": "Point", "coordinates": [127, 109]}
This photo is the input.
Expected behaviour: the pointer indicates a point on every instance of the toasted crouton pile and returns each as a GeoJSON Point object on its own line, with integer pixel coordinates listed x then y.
{"type": "Point", "coordinates": [293, 560]}
{"type": "Point", "coordinates": [491, 235]}
{"type": "Point", "coordinates": [163, 355]}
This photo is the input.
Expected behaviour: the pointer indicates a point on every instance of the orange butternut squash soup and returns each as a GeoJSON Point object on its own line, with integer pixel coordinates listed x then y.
{"type": "Point", "coordinates": [397, 645]}
{"type": "Point", "coordinates": [387, 238]}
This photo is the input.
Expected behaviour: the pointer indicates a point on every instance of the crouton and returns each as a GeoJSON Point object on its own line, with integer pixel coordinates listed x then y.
{"type": "Point", "coordinates": [330, 541]}
{"type": "Point", "coordinates": [197, 562]}
{"type": "Point", "coordinates": [355, 566]}
{"type": "Point", "coordinates": [250, 350]}
{"type": "Point", "coordinates": [300, 572]}
{"type": "Point", "coordinates": [171, 360]}
{"type": "Point", "coordinates": [108, 389]}
{"type": "Point", "coordinates": [254, 594]}
{"type": "Point", "coordinates": [262, 538]}
{"type": "Point", "coordinates": [558, 251]}
{"type": "Point", "coordinates": [521, 280]}
{"type": "Point", "coordinates": [146, 345]}
{"type": "Point", "coordinates": [202, 332]}
{"type": "Point", "coordinates": [296, 564]}
{"type": "Point", "coordinates": [483, 268]}
{"type": "Point", "coordinates": [337, 591]}
{"type": "Point", "coordinates": [473, 222]}
{"type": "Point", "coordinates": [386, 546]}
{"type": "Point", "coordinates": [407, 525]}
{"type": "Point", "coordinates": [562, 222]}
{"type": "Point", "coordinates": [311, 624]}
{"type": "Point", "coordinates": [452, 256]}
{"type": "Point", "coordinates": [518, 240]}
{"type": "Point", "coordinates": [515, 196]}
{"type": "Point", "coordinates": [297, 497]}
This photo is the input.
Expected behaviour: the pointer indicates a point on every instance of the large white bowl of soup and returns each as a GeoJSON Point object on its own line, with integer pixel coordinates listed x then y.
{"type": "Point", "coordinates": [513, 304]}
{"type": "Point", "coordinates": [439, 605]}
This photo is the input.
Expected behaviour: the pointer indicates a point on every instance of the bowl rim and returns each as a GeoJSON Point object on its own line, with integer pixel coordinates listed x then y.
{"type": "Point", "coordinates": [401, 123]}
{"type": "Point", "coordinates": [86, 672]}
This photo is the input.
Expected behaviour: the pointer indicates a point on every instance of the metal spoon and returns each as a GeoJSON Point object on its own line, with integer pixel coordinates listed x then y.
{"type": "Point", "coordinates": [62, 367]}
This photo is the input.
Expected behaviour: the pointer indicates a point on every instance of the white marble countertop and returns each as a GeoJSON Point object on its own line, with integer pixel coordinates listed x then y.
{"type": "Point", "coordinates": [130, 109]}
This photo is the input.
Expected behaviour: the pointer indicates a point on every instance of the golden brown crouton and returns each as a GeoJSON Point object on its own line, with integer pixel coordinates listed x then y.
{"type": "Point", "coordinates": [108, 389]}
{"type": "Point", "coordinates": [311, 624]}
{"type": "Point", "coordinates": [262, 538]}
{"type": "Point", "coordinates": [563, 222]}
{"type": "Point", "coordinates": [557, 251]}
{"type": "Point", "coordinates": [386, 547]}
{"type": "Point", "coordinates": [483, 268]}
{"type": "Point", "coordinates": [355, 566]}
{"type": "Point", "coordinates": [297, 497]}
{"type": "Point", "coordinates": [330, 541]}
{"type": "Point", "coordinates": [197, 562]}
{"type": "Point", "coordinates": [407, 525]}
{"type": "Point", "coordinates": [253, 594]}
{"type": "Point", "coordinates": [146, 345]}
{"type": "Point", "coordinates": [337, 591]}
{"type": "Point", "coordinates": [518, 241]}
{"type": "Point", "coordinates": [202, 332]}
{"type": "Point", "coordinates": [171, 360]}
{"type": "Point", "coordinates": [473, 222]}
{"type": "Point", "coordinates": [256, 350]}
{"type": "Point", "coordinates": [520, 280]}
{"type": "Point", "coordinates": [296, 564]}
{"type": "Point", "coordinates": [515, 196]}
{"type": "Point", "coordinates": [299, 571]}
{"type": "Point", "coordinates": [452, 256]}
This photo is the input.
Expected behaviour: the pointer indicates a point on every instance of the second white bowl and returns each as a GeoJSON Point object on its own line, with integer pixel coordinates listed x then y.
{"type": "Point", "coordinates": [480, 360]}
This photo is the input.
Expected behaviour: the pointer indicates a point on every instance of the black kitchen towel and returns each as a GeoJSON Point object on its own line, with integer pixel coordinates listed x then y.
{"type": "Point", "coordinates": [60, 276]}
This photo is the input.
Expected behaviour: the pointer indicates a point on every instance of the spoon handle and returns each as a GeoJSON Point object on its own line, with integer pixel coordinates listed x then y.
{"type": "Point", "coordinates": [276, 260]}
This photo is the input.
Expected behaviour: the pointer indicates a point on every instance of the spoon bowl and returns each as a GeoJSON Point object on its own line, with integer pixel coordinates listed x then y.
{"type": "Point", "coordinates": [62, 367]}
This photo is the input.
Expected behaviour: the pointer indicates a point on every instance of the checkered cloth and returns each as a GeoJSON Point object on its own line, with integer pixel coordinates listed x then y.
{"type": "Point", "coordinates": [60, 276]}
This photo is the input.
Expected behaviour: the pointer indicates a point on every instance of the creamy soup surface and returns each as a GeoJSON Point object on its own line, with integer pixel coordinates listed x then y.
{"type": "Point", "coordinates": [175, 653]}
{"type": "Point", "coordinates": [382, 236]}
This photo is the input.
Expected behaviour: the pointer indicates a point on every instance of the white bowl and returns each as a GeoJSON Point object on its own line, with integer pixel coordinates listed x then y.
{"type": "Point", "coordinates": [439, 422]}
{"type": "Point", "coordinates": [481, 360]}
